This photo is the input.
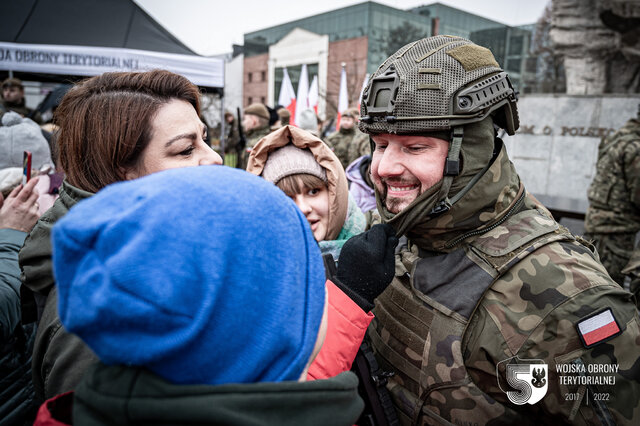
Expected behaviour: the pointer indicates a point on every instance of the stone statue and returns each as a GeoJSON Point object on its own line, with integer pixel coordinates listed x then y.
{"type": "Point", "coordinates": [600, 43]}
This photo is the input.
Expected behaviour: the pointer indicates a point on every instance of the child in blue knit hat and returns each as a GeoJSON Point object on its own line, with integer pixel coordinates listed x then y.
{"type": "Point", "coordinates": [193, 320]}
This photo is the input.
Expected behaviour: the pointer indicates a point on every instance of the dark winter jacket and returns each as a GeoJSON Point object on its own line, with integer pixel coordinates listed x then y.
{"type": "Point", "coordinates": [17, 404]}
{"type": "Point", "coordinates": [113, 395]}
{"type": "Point", "coordinates": [59, 358]}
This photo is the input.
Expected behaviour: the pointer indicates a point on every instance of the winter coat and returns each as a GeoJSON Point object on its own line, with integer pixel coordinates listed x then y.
{"type": "Point", "coordinates": [364, 195]}
{"type": "Point", "coordinates": [336, 179]}
{"type": "Point", "coordinates": [59, 358]}
{"type": "Point", "coordinates": [112, 395]}
{"type": "Point", "coordinates": [346, 327]}
{"type": "Point", "coordinates": [17, 400]}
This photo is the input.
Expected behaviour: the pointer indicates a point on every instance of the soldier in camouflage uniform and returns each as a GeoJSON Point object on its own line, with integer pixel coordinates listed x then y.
{"type": "Point", "coordinates": [486, 281]}
{"type": "Point", "coordinates": [256, 126]}
{"type": "Point", "coordinates": [613, 217]}
{"type": "Point", "coordinates": [348, 141]}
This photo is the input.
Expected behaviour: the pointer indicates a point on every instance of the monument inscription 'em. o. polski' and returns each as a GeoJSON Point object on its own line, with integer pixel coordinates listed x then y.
{"type": "Point", "coordinates": [588, 132]}
{"type": "Point", "coordinates": [556, 148]}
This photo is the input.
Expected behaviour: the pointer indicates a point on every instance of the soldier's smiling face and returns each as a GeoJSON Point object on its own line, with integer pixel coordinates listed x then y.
{"type": "Point", "coordinates": [403, 167]}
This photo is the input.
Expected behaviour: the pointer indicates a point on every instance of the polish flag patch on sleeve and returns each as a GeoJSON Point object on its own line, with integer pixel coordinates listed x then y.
{"type": "Point", "coordinates": [598, 328]}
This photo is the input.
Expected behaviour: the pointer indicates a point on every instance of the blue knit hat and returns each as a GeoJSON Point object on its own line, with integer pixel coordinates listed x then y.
{"type": "Point", "coordinates": [204, 275]}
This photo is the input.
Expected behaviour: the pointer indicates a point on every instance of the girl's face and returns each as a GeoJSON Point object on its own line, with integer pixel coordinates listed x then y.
{"type": "Point", "coordinates": [177, 140]}
{"type": "Point", "coordinates": [314, 203]}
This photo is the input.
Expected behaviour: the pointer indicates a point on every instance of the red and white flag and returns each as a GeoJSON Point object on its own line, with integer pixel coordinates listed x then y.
{"type": "Point", "coordinates": [364, 85]}
{"type": "Point", "coordinates": [287, 96]}
{"type": "Point", "coordinates": [313, 94]}
{"type": "Point", "coordinates": [343, 97]}
{"type": "Point", "coordinates": [598, 328]}
{"type": "Point", "coordinates": [303, 92]}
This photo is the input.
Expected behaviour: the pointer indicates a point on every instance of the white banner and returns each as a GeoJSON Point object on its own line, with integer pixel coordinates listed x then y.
{"type": "Point", "coordinates": [89, 61]}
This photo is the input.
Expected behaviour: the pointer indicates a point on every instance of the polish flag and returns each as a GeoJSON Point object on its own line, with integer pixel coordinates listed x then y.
{"type": "Point", "coordinates": [343, 97]}
{"type": "Point", "coordinates": [313, 94]}
{"type": "Point", "coordinates": [287, 96]}
{"type": "Point", "coordinates": [303, 91]}
{"type": "Point", "coordinates": [364, 85]}
{"type": "Point", "coordinates": [598, 327]}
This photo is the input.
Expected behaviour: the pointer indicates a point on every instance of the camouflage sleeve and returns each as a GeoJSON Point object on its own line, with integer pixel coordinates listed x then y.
{"type": "Point", "coordinates": [330, 141]}
{"type": "Point", "coordinates": [360, 146]}
{"type": "Point", "coordinates": [534, 312]}
{"type": "Point", "coordinates": [632, 270]}
{"type": "Point", "coordinates": [614, 250]}
{"type": "Point", "coordinates": [631, 165]}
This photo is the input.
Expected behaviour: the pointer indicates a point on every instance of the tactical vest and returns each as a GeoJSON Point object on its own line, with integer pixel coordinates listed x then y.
{"type": "Point", "coordinates": [422, 317]}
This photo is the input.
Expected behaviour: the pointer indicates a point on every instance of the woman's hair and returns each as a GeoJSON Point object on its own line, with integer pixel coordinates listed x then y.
{"type": "Point", "coordinates": [105, 122]}
{"type": "Point", "coordinates": [294, 184]}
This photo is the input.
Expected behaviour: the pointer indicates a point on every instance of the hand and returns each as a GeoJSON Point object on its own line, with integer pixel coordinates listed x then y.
{"type": "Point", "coordinates": [20, 210]}
{"type": "Point", "coordinates": [367, 262]}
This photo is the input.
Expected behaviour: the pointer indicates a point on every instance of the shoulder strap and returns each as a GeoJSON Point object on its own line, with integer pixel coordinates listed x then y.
{"type": "Point", "coordinates": [379, 410]}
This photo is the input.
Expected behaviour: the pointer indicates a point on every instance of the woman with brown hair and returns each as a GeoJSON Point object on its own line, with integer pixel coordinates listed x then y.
{"type": "Point", "coordinates": [113, 127]}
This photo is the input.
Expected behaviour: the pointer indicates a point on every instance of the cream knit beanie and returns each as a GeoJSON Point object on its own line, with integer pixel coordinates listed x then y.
{"type": "Point", "coordinates": [290, 160]}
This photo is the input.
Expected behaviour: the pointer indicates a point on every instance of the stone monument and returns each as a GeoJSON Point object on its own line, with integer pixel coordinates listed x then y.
{"type": "Point", "coordinates": [600, 43]}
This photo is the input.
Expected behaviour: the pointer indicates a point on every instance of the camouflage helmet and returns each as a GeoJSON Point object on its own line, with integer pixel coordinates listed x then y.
{"type": "Point", "coordinates": [436, 84]}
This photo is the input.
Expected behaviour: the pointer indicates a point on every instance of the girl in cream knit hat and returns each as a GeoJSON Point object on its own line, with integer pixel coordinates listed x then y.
{"type": "Point", "coordinates": [308, 171]}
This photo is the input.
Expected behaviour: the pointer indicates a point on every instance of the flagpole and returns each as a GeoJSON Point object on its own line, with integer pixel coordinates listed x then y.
{"type": "Point", "coordinates": [343, 96]}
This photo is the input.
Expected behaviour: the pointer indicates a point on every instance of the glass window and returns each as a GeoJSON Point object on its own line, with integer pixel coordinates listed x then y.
{"type": "Point", "coordinates": [516, 45]}
{"type": "Point", "coordinates": [513, 64]}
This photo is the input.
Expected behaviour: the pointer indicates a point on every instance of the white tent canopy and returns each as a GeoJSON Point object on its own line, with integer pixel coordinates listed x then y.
{"type": "Point", "coordinates": [91, 60]}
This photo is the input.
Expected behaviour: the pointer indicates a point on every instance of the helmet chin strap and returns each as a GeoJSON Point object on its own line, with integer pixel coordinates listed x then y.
{"type": "Point", "coordinates": [451, 170]}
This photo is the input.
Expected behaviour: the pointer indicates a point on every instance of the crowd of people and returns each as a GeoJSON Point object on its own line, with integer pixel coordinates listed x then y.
{"type": "Point", "coordinates": [146, 279]}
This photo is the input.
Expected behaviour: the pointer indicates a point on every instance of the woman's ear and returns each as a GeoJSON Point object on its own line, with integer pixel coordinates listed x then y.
{"type": "Point", "coordinates": [128, 173]}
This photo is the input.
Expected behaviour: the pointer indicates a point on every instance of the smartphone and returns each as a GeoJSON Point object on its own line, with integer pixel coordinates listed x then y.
{"type": "Point", "coordinates": [26, 167]}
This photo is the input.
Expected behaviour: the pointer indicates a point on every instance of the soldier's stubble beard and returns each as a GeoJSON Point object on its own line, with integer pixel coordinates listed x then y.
{"type": "Point", "coordinates": [397, 204]}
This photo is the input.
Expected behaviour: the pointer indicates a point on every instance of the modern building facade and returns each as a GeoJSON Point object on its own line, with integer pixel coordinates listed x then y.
{"type": "Point", "coordinates": [360, 37]}
{"type": "Point", "coordinates": [511, 47]}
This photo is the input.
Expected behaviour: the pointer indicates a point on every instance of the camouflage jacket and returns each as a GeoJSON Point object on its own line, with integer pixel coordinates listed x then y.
{"type": "Point", "coordinates": [347, 144]}
{"type": "Point", "coordinates": [614, 194]}
{"type": "Point", "coordinates": [495, 284]}
{"type": "Point", "coordinates": [254, 135]}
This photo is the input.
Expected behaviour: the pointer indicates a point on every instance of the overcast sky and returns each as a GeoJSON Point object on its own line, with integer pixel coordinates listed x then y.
{"type": "Point", "coordinates": [210, 27]}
